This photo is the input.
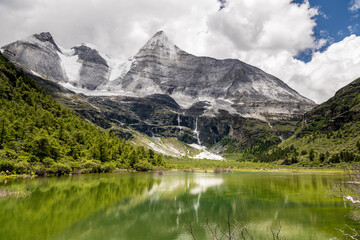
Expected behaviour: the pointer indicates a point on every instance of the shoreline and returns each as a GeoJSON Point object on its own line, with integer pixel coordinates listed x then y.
{"type": "Point", "coordinates": [193, 170]}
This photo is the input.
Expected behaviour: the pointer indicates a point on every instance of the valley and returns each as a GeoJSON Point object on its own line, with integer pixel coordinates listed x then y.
{"type": "Point", "coordinates": [174, 103]}
{"type": "Point", "coordinates": [179, 120]}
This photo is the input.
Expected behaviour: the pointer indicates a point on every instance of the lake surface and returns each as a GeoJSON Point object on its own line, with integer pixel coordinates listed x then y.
{"type": "Point", "coordinates": [149, 206]}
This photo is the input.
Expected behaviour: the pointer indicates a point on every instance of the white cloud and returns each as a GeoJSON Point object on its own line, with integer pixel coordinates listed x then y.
{"type": "Point", "coordinates": [119, 27]}
{"type": "Point", "coordinates": [355, 5]}
{"type": "Point", "coordinates": [264, 33]}
{"type": "Point", "coordinates": [276, 25]}
{"type": "Point", "coordinates": [326, 73]}
{"type": "Point", "coordinates": [353, 28]}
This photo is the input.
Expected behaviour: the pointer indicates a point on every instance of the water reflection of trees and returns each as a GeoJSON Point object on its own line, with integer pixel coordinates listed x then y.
{"type": "Point", "coordinates": [55, 204]}
{"type": "Point", "coordinates": [139, 206]}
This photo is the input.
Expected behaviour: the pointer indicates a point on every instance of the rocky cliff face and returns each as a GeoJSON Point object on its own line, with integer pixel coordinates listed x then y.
{"type": "Point", "coordinates": [164, 91]}
{"type": "Point", "coordinates": [160, 67]}
{"type": "Point", "coordinates": [159, 115]}
{"type": "Point", "coordinates": [221, 84]}
{"type": "Point", "coordinates": [37, 54]}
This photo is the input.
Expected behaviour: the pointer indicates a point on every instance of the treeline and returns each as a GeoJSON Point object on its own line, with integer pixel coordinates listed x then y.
{"type": "Point", "coordinates": [290, 155]}
{"type": "Point", "coordinates": [38, 136]}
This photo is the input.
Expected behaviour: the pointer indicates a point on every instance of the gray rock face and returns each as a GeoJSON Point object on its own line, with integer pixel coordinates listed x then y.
{"type": "Point", "coordinates": [82, 66]}
{"type": "Point", "coordinates": [94, 68]}
{"type": "Point", "coordinates": [37, 53]}
{"type": "Point", "coordinates": [159, 115]}
{"type": "Point", "coordinates": [160, 67]}
{"type": "Point", "coordinates": [246, 90]}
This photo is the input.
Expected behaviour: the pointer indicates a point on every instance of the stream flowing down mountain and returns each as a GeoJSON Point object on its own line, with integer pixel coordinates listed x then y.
{"type": "Point", "coordinates": [163, 91]}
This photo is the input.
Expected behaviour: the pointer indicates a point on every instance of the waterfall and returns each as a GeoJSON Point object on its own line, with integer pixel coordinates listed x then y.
{"type": "Point", "coordinates": [280, 137]}
{"type": "Point", "coordinates": [179, 121]}
{"type": "Point", "coordinates": [197, 133]}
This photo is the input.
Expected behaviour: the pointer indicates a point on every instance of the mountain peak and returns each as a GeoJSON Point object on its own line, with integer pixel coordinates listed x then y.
{"type": "Point", "coordinates": [161, 32]}
{"type": "Point", "coordinates": [46, 37]}
{"type": "Point", "coordinates": [159, 45]}
{"type": "Point", "coordinates": [160, 35]}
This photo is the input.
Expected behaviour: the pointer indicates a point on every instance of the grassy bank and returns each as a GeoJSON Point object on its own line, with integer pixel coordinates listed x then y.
{"type": "Point", "coordinates": [211, 165]}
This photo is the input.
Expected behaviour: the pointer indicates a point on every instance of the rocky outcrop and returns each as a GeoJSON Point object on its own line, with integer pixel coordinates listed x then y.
{"type": "Point", "coordinates": [94, 69]}
{"type": "Point", "coordinates": [37, 54]}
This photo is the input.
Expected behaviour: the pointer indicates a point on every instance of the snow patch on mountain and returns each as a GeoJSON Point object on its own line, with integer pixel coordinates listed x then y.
{"type": "Point", "coordinates": [185, 101]}
{"type": "Point", "coordinates": [88, 92]}
{"type": "Point", "coordinates": [205, 154]}
{"type": "Point", "coordinates": [70, 63]}
{"type": "Point", "coordinates": [160, 67]}
{"type": "Point", "coordinates": [174, 147]}
{"type": "Point", "coordinates": [118, 68]}
{"type": "Point", "coordinates": [35, 73]}
{"type": "Point", "coordinates": [220, 104]}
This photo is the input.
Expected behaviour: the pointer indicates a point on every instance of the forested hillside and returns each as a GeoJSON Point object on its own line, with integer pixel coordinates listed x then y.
{"type": "Point", "coordinates": [329, 134]}
{"type": "Point", "coordinates": [38, 136]}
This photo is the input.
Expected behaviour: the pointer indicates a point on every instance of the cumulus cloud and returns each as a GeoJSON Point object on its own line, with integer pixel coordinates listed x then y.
{"type": "Point", "coordinates": [119, 27]}
{"type": "Point", "coordinates": [327, 72]}
{"type": "Point", "coordinates": [355, 5]}
{"type": "Point", "coordinates": [267, 34]}
{"type": "Point", "coordinates": [276, 25]}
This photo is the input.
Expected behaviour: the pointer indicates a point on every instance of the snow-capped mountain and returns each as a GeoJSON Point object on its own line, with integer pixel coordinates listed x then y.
{"type": "Point", "coordinates": [160, 67]}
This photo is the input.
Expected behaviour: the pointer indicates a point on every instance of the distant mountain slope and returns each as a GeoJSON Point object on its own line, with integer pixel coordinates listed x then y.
{"type": "Point", "coordinates": [339, 110]}
{"type": "Point", "coordinates": [330, 133]}
{"type": "Point", "coordinates": [160, 67]}
{"type": "Point", "coordinates": [39, 136]}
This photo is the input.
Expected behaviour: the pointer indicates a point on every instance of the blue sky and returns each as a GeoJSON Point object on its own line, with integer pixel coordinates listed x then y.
{"type": "Point", "coordinates": [335, 21]}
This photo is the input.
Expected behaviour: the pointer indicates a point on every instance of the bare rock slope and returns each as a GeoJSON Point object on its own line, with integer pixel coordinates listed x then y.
{"type": "Point", "coordinates": [160, 67]}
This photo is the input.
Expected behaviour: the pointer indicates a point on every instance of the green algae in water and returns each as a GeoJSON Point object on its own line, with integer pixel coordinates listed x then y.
{"type": "Point", "coordinates": [147, 206]}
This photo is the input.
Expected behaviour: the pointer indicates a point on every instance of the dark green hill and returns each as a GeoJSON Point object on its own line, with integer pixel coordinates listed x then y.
{"type": "Point", "coordinates": [328, 134]}
{"type": "Point", "coordinates": [332, 115]}
{"type": "Point", "coordinates": [38, 136]}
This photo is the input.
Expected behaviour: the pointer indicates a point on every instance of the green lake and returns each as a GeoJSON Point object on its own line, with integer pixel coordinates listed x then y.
{"type": "Point", "coordinates": [150, 206]}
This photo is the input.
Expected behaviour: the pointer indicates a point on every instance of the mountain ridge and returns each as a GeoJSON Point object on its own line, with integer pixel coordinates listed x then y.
{"type": "Point", "coordinates": [164, 91]}
{"type": "Point", "coordinates": [160, 67]}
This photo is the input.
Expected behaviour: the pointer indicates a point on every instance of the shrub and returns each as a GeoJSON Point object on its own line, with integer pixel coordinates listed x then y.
{"type": "Point", "coordinates": [39, 169]}
{"type": "Point", "coordinates": [219, 170]}
{"type": "Point", "coordinates": [142, 166]}
{"type": "Point", "coordinates": [6, 165]}
{"type": "Point", "coordinates": [311, 155]}
{"type": "Point", "coordinates": [122, 165]}
{"type": "Point", "coordinates": [22, 167]}
{"type": "Point", "coordinates": [61, 168]}
{"type": "Point", "coordinates": [91, 166]}
{"type": "Point", "coordinates": [48, 162]}
{"type": "Point", "coordinates": [108, 167]}
{"type": "Point", "coordinates": [335, 158]}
